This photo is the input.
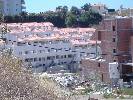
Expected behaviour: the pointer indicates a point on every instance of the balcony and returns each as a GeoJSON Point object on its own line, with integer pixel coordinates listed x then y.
{"type": "Point", "coordinates": [22, 2]}
{"type": "Point", "coordinates": [23, 7]}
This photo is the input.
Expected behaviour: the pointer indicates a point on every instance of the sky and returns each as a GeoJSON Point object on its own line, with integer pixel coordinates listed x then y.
{"type": "Point", "coordinates": [36, 6]}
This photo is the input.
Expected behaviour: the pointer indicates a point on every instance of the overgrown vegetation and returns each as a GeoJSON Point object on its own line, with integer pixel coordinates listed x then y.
{"type": "Point", "coordinates": [61, 17]}
{"type": "Point", "coordinates": [17, 82]}
{"type": "Point", "coordinates": [127, 91]}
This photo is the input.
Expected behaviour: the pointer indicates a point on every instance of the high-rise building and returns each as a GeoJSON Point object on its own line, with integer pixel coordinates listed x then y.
{"type": "Point", "coordinates": [12, 7]}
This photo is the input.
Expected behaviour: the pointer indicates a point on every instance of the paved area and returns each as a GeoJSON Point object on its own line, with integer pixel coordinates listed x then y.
{"type": "Point", "coordinates": [86, 97]}
{"type": "Point", "coordinates": [96, 97]}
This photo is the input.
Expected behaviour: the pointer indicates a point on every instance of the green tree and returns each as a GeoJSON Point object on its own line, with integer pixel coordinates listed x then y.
{"type": "Point", "coordinates": [86, 7]}
{"type": "Point", "coordinates": [74, 10]}
{"type": "Point", "coordinates": [9, 19]}
{"type": "Point", "coordinates": [59, 8]}
{"type": "Point", "coordinates": [95, 18]}
{"type": "Point", "coordinates": [61, 13]}
{"type": "Point", "coordinates": [71, 20]}
{"type": "Point", "coordinates": [84, 19]}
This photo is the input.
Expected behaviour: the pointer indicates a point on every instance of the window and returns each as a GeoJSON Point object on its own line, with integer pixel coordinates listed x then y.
{"type": "Point", "coordinates": [42, 43]}
{"type": "Point", "coordinates": [40, 65]}
{"type": "Point", "coordinates": [26, 60]}
{"type": "Point", "coordinates": [59, 49]}
{"type": "Point", "coordinates": [48, 58]}
{"type": "Point", "coordinates": [40, 59]}
{"type": "Point", "coordinates": [99, 7]}
{"type": "Point", "coordinates": [102, 77]}
{"type": "Point", "coordinates": [43, 64]}
{"type": "Point", "coordinates": [114, 60]}
{"type": "Point", "coordinates": [64, 56]}
{"type": "Point", "coordinates": [70, 56]}
{"type": "Point", "coordinates": [35, 59]}
{"type": "Point", "coordinates": [113, 73]}
{"type": "Point", "coordinates": [20, 53]}
{"type": "Point", "coordinates": [26, 52]}
{"type": "Point", "coordinates": [41, 51]}
{"type": "Point", "coordinates": [99, 35]}
{"type": "Point", "coordinates": [48, 50]}
{"type": "Point", "coordinates": [34, 51]}
{"type": "Point", "coordinates": [29, 43]}
{"type": "Point", "coordinates": [35, 42]}
{"type": "Point", "coordinates": [98, 64]}
{"type": "Point", "coordinates": [20, 44]}
{"type": "Point", "coordinates": [57, 57]}
{"type": "Point", "coordinates": [31, 59]}
{"type": "Point", "coordinates": [114, 50]}
{"type": "Point", "coordinates": [113, 28]}
{"type": "Point", "coordinates": [61, 57]}
{"type": "Point", "coordinates": [62, 62]}
{"type": "Point", "coordinates": [114, 39]}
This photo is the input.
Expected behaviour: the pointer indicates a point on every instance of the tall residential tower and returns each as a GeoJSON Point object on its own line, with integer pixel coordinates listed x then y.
{"type": "Point", "coordinates": [12, 7]}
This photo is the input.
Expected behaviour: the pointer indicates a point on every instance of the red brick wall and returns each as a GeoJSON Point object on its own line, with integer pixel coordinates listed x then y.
{"type": "Point", "coordinates": [103, 69]}
{"type": "Point", "coordinates": [132, 48]}
{"type": "Point", "coordinates": [123, 44]}
{"type": "Point", "coordinates": [124, 23]}
{"type": "Point", "coordinates": [122, 34]}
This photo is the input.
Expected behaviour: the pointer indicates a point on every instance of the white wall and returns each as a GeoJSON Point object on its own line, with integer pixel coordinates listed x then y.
{"type": "Point", "coordinates": [12, 7]}
{"type": "Point", "coordinates": [113, 70]}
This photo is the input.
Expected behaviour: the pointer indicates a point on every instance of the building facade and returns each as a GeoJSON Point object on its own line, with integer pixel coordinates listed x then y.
{"type": "Point", "coordinates": [125, 12]}
{"type": "Point", "coordinates": [100, 8]}
{"type": "Point", "coordinates": [41, 45]}
{"type": "Point", "coordinates": [12, 7]}
{"type": "Point", "coordinates": [115, 36]}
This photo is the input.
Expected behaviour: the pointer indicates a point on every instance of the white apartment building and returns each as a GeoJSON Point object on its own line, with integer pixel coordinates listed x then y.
{"type": "Point", "coordinates": [100, 8]}
{"type": "Point", "coordinates": [12, 7]}
{"type": "Point", "coordinates": [126, 12]}
{"type": "Point", "coordinates": [41, 45]}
